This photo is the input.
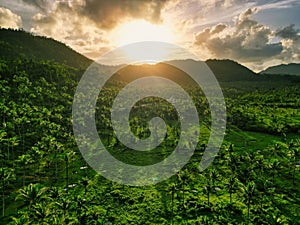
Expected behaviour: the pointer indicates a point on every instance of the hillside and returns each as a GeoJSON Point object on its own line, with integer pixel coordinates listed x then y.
{"type": "Point", "coordinates": [283, 69]}
{"type": "Point", "coordinates": [224, 70]}
{"type": "Point", "coordinates": [132, 72]}
{"type": "Point", "coordinates": [20, 44]}
{"type": "Point", "coordinates": [228, 70]}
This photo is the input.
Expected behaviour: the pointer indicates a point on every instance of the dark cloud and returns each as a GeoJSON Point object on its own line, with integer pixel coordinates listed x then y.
{"type": "Point", "coordinates": [105, 14]}
{"type": "Point", "coordinates": [289, 32]}
{"type": "Point", "coordinates": [246, 41]}
{"type": "Point", "coordinates": [40, 4]}
{"type": "Point", "coordinates": [109, 13]}
{"type": "Point", "coordinates": [291, 41]}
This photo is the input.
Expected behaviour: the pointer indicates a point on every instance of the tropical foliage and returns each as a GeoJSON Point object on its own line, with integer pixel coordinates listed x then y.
{"type": "Point", "coordinates": [44, 179]}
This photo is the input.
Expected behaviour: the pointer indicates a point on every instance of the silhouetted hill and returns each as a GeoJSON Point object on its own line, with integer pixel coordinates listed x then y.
{"type": "Point", "coordinates": [284, 69]}
{"type": "Point", "coordinates": [132, 72]}
{"type": "Point", "coordinates": [224, 70]}
{"type": "Point", "coordinates": [228, 70]}
{"type": "Point", "coordinates": [16, 44]}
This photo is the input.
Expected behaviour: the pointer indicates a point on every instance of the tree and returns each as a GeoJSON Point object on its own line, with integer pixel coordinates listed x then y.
{"type": "Point", "coordinates": [232, 186]}
{"type": "Point", "coordinates": [294, 153]}
{"type": "Point", "coordinates": [32, 194]}
{"type": "Point", "coordinates": [68, 157]}
{"type": "Point", "coordinates": [7, 175]}
{"type": "Point", "coordinates": [248, 194]}
{"type": "Point", "coordinates": [274, 166]}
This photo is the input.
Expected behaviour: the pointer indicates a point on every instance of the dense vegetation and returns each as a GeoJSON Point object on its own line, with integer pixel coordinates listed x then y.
{"type": "Point", "coordinates": [20, 44]}
{"type": "Point", "coordinates": [44, 179]}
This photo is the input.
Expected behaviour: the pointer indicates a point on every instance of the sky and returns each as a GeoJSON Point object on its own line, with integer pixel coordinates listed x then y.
{"type": "Point", "coordinates": [255, 33]}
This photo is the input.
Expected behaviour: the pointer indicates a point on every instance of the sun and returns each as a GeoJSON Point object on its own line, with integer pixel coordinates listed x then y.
{"type": "Point", "coordinates": [140, 31]}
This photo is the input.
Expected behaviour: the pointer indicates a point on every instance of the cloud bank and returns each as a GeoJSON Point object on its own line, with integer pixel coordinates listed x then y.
{"type": "Point", "coordinates": [250, 42]}
{"type": "Point", "coordinates": [9, 20]}
{"type": "Point", "coordinates": [105, 14]}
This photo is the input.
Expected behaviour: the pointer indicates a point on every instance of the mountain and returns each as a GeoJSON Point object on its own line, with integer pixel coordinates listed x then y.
{"type": "Point", "coordinates": [15, 44]}
{"type": "Point", "coordinates": [228, 70]}
{"type": "Point", "coordinates": [132, 72]}
{"type": "Point", "coordinates": [224, 71]}
{"type": "Point", "coordinates": [284, 69]}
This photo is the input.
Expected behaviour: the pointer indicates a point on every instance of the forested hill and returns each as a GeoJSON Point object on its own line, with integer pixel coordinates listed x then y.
{"type": "Point", "coordinates": [283, 69]}
{"type": "Point", "coordinates": [18, 44]}
{"type": "Point", "coordinates": [228, 70]}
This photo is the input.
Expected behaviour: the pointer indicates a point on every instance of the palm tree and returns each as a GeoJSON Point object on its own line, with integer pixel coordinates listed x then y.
{"type": "Point", "coordinates": [259, 165]}
{"type": "Point", "coordinates": [232, 160]}
{"type": "Point", "coordinates": [68, 157]}
{"type": "Point", "coordinates": [24, 219]}
{"type": "Point", "coordinates": [85, 182]}
{"type": "Point", "coordinates": [41, 212]}
{"type": "Point", "coordinates": [25, 159]}
{"type": "Point", "coordinates": [248, 193]}
{"type": "Point", "coordinates": [184, 178]}
{"type": "Point", "coordinates": [275, 150]}
{"type": "Point", "coordinates": [214, 175]}
{"type": "Point", "coordinates": [64, 204]}
{"type": "Point", "coordinates": [232, 186]}
{"type": "Point", "coordinates": [172, 202]}
{"type": "Point", "coordinates": [6, 174]}
{"type": "Point", "coordinates": [32, 194]}
{"type": "Point", "coordinates": [294, 153]}
{"type": "Point", "coordinates": [263, 186]}
{"type": "Point", "coordinates": [274, 166]}
{"type": "Point", "coordinates": [207, 189]}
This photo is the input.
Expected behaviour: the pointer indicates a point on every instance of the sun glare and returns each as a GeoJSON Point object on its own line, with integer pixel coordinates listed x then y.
{"type": "Point", "coordinates": [139, 31]}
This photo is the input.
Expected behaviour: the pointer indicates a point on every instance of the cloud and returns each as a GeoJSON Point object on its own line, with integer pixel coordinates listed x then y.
{"type": "Point", "coordinates": [246, 41]}
{"type": "Point", "coordinates": [83, 24]}
{"type": "Point", "coordinates": [289, 32]}
{"type": "Point", "coordinates": [276, 4]}
{"type": "Point", "coordinates": [40, 4]}
{"type": "Point", "coordinates": [291, 42]}
{"type": "Point", "coordinates": [105, 14]}
{"type": "Point", "coordinates": [9, 20]}
{"type": "Point", "coordinates": [109, 13]}
{"type": "Point", "coordinates": [65, 25]}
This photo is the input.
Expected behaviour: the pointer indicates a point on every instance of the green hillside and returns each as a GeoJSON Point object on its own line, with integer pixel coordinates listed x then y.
{"type": "Point", "coordinates": [288, 69]}
{"type": "Point", "coordinates": [20, 44]}
{"type": "Point", "coordinates": [228, 70]}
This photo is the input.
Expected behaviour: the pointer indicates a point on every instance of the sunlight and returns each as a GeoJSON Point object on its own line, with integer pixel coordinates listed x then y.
{"type": "Point", "coordinates": [139, 31]}
{"type": "Point", "coordinates": [145, 53]}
